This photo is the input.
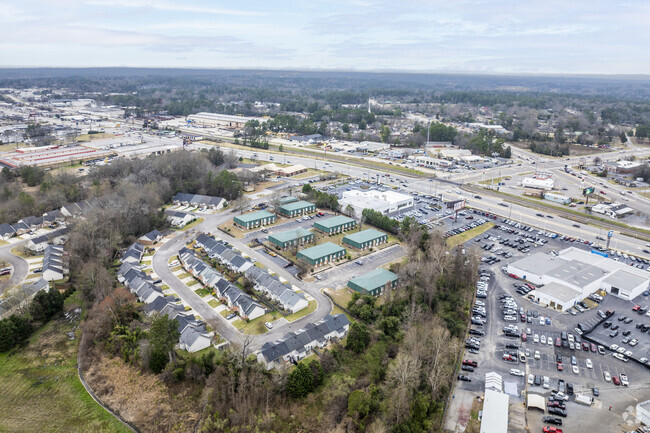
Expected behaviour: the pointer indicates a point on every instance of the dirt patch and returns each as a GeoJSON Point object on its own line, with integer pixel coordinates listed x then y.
{"type": "Point", "coordinates": [141, 398]}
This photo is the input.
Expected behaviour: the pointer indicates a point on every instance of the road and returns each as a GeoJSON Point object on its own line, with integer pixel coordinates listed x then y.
{"type": "Point", "coordinates": [20, 266]}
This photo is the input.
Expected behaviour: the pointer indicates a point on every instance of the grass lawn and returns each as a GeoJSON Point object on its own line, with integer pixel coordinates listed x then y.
{"type": "Point", "coordinates": [90, 137]}
{"type": "Point", "coordinates": [19, 251]}
{"type": "Point", "coordinates": [469, 234]}
{"type": "Point", "coordinates": [225, 312]}
{"type": "Point", "coordinates": [302, 313]}
{"type": "Point", "coordinates": [40, 387]}
{"type": "Point", "coordinates": [341, 296]}
{"type": "Point", "coordinates": [192, 283]}
{"type": "Point", "coordinates": [309, 173]}
{"type": "Point", "coordinates": [190, 225]}
{"type": "Point", "coordinates": [256, 326]}
{"type": "Point", "coordinates": [176, 268]}
{"type": "Point", "coordinates": [202, 292]}
{"type": "Point", "coordinates": [3, 242]}
{"type": "Point", "coordinates": [164, 287]}
{"type": "Point", "coordinates": [214, 303]}
{"type": "Point", "coordinates": [183, 275]}
{"type": "Point", "coordinates": [230, 228]}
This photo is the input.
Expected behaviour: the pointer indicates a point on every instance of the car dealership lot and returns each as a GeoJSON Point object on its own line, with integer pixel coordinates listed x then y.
{"type": "Point", "coordinates": [495, 344]}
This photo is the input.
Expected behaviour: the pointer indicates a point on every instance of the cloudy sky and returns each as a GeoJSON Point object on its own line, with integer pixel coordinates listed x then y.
{"type": "Point", "coordinates": [493, 36]}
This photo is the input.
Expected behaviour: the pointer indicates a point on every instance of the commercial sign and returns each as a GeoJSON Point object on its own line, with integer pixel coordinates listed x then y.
{"type": "Point", "coordinates": [588, 191]}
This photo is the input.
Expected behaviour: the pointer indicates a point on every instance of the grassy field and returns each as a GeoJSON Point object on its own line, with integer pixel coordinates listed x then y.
{"type": "Point", "coordinates": [302, 313]}
{"type": "Point", "coordinates": [40, 387]}
{"type": "Point", "coordinates": [469, 234]}
{"type": "Point", "coordinates": [90, 137]}
{"type": "Point", "coordinates": [183, 275]}
{"type": "Point", "coordinates": [214, 303]}
{"type": "Point", "coordinates": [202, 292]}
{"type": "Point", "coordinates": [255, 326]}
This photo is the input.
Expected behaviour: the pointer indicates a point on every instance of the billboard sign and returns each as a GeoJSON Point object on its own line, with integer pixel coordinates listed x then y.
{"type": "Point", "coordinates": [456, 205]}
{"type": "Point", "coordinates": [610, 233]}
{"type": "Point", "coordinates": [588, 191]}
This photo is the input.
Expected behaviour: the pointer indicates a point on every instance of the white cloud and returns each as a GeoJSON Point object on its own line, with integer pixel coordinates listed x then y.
{"type": "Point", "coordinates": [172, 7]}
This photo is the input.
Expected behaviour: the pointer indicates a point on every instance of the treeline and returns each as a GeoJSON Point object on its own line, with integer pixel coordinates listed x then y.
{"type": "Point", "coordinates": [321, 199]}
{"type": "Point", "coordinates": [16, 329]}
{"type": "Point", "coordinates": [380, 220]}
{"type": "Point", "coordinates": [553, 149]}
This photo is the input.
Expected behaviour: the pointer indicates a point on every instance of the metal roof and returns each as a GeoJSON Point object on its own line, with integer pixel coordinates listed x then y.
{"type": "Point", "coordinates": [321, 250]}
{"type": "Point", "coordinates": [334, 221]}
{"type": "Point", "coordinates": [538, 264]}
{"type": "Point", "coordinates": [254, 216]}
{"type": "Point", "coordinates": [296, 205]}
{"type": "Point", "coordinates": [290, 235]}
{"type": "Point", "coordinates": [374, 279]}
{"type": "Point", "coordinates": [364, 236]}
{"type": "Point", "coordinates": [561, 292]}
{"type": "Point", "coordinates": [495, 412]}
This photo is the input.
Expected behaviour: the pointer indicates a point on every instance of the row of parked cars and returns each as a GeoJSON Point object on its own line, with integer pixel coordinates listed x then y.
{"type": "Point", "coordinates": [464, 228]}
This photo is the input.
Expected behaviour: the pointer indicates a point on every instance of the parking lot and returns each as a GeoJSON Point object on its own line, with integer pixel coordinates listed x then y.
{"type": "Point", "coordinates": [544, 346]}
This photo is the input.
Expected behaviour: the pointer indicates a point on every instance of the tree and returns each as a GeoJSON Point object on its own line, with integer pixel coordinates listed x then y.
{"type": "Point", "coordinates": [358, 338]}
{"type": "Point", "coordinates": [241, 204]}
{"type": "Point", "coordinates": [441, 132]}
{"type": "Point", "coordinates": [345, 128]}
{"type": "Point", "coordinates": [157, 360]}
{"type": "Point", "coordinates": [7, 339]}
{"type": "Point", "coordinates": [358, 404]}
{"type": "Point", "coordinates": [349, 210]}
{"type": "Point", "coordinates": [164, 334]}
{"type": "Point", "coordinates": [384, 133]}
{"type": "Point", "coordinates": [300, 381]}
{"type": "Point", "coordinates": [22, 328]}
{"type": "Point", "coordinates": [46, 304]}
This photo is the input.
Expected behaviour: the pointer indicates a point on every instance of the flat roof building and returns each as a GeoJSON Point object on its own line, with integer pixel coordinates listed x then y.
{"type": "Point", "coordinates": [381, 201]}
{"type": "Point", "coordinates": [222, 120]}
{"type": "Point", "coordinates": [575, 274]}
{"type": "Point", "coordinates": [287, 199]}
{"type": "Point", "coordinates": [254, 219]}
{"type": "Point", "coordinates": [374, 282]}
{"type": "Point", "coordinates": [297, 208]}
{"type": "Point", "coordinates": [335, 224]}
{"type": "Point", "coordinates": [288, 238]}
{"type": "Point", "coordinates": [322, 254]}
{"type": "Point", "coordinates": [495, 412]}
{"type": "Point", "coordinates": [365, 239]}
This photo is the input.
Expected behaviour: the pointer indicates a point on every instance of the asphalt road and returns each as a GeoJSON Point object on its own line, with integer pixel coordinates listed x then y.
{"type": "Point", "coordinates": [20, 266]}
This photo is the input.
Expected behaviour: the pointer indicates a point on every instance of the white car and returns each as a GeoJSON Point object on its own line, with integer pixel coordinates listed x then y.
{"type": "Point", "coordinates": [543, 339]}
{"type": "Point", "coordinates": [546, 383]}
{"type": "Point", "coordinates": [628, 353]}
{"type": "Point", "coordinates": [549, 340]}
{"type": "Point", "coordinates": [269, 325]}
{"type": "Point", "coordinates": [608, 377]}
{"type": "Point", "coordinates": [531, 379]}
{"type": "Point", "coordinates": [536, 338]}
{"type": "Point", "coordinates": [624, 380]}
{"type": "Point", "coordinates": [575, 369]}
{"type": "Point", "coordinates": [588, 363]}
{"type": "Point", "coordinates": [516, 372]}
{"type": "Point", "coordinates": [542, 320]}
{"type": "Point", "coordinates": [537, 354]}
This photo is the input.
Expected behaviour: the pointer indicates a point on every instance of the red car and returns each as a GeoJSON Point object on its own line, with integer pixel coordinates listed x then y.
{"type": "Point", "coordinates": [551, 430]}
{"type": "Point", "coordinates": [524, 337]}
{"type": "Point", "coordinates": [470, 363]}
{"type": "Point", "coordinates": [559, 366]}
{"type": "Point", "coordinates": [321, 213]}
{"type": "Point", "coordinates": [593, 347]}
{"type": "Point", "coordinates": [585, 347]}
{"type": "Point", "coordinates": [616, 380]}
{"type": "Point", "coordinates": [558, 342]}
{"type": "Point", "coordinates": [636, 308]}
{"type": "Point", "coordinates": [602, 192]}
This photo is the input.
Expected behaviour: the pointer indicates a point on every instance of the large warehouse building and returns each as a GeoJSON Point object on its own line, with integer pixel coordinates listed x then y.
{"type": "Point", "coordinates": [321, 254]}
{"type": "Point", "coordinates": [222, 120]}
{"type": "Point", "coordinates": [575, 274]}
{"type": "Point", "coordinates": [381, 201]}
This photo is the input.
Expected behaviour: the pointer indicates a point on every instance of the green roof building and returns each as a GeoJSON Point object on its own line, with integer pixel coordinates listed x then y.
{"type": "Point", "coordinates": [334, 225]}
{"type": "Point", "coordinates": [365, 239]}
{"type": "Point", "coordinates": [254, 219]}
{"type": "Point", "coordinates": [321, 254]}
{"type": "Point", "coordinates": [297, 208]}
{"type": "Point", "coordinates": [374, 282]}
{"type": "Point", "coordinates": [288, 238]}
{"type": "Point", "coordinates": [287, 199]}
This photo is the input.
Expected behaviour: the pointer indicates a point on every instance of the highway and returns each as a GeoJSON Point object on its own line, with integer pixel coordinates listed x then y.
{"type": "Point", "coordinates": [451, 188]}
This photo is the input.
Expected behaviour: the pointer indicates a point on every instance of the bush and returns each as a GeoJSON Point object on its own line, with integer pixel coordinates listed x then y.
{"type": "Point", "coordinates": [158, 361]}
{"type": "Point", "coordinates": [358, 338]}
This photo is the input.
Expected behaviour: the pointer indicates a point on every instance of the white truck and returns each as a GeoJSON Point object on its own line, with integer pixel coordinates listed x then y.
{"type": "Point", "coordinates": [584, 399]}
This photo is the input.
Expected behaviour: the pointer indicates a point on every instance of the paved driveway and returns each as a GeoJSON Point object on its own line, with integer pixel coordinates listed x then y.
{"type": "Point", "coordinates": [20, 266]}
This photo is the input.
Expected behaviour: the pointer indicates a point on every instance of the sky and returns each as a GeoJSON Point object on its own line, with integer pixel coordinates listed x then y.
{"type": "Point", "coordinates": [474, 36]}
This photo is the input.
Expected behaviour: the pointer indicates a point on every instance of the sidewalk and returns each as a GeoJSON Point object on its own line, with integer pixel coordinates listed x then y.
{"type": "Point", "coordinates": [459, 410]}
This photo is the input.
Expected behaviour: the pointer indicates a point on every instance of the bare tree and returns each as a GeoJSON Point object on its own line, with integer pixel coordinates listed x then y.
{"type": "Point", "coordinates": [231, 159]}
{"type": "Point", "coordinates": [241, 204]}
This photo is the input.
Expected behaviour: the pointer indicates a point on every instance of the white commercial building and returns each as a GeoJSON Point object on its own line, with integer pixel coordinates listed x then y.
{"type": "Point", "coordinates": [222, 120]}
{"type": "Point", "coordinates": [575, 274]}
{"type": "Point", "coordinates": [495, 412]}
{"type": "Point", "coordinates": [643, 412]}
{"type": "Point", "coordinates": [545, 184]}
{"type": "Point", "coordinates": [381, 201]}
